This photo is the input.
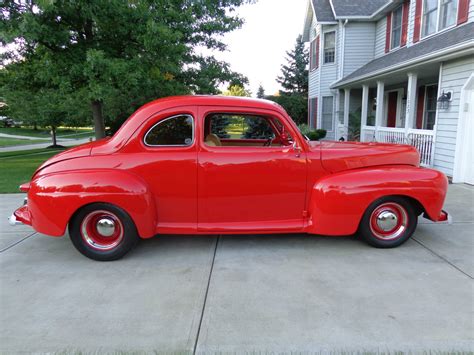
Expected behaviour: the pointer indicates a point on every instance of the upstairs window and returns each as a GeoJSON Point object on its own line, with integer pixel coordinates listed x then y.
{"type": "Point", "coordinates": [314, 54]}
{"type": "Point", "coordinates": [396, 35]}
{"type": "Point", "coordinates": [438, 15]}
{"type": "Point", "coordinates": [172, 131]}
{"type": "Point", "coordinates": [329, 47]}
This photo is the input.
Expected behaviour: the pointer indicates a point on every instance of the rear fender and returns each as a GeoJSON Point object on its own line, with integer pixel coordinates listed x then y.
{"type": "Point", "coordinates": [338, 201]}
{"type": "Point", "coordinates": [54, 198]}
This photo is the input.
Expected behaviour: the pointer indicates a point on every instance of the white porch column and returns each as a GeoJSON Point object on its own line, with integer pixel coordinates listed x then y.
{"type": "Point", "coordinates": [365, 106]}
{"type": "Point", "coordinates": [347, 101]}
{"type": "Point", "coordinates": [380, 105]}
{"type": "Point", "coordinates": [411, 102]}
{"type": "Point", "coordinates": [337, 111]}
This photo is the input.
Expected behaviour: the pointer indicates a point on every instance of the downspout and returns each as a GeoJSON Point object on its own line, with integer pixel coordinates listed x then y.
{"type": "Point", "coordinates": [340, 74]}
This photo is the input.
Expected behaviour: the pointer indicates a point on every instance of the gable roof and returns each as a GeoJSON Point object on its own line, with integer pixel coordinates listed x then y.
{"type": "Point", "coordinates": [354, 8]}
{"type": "Point", "coordinates": [323, 11]}
{"type": "Point", "coordinates": [434, 47]}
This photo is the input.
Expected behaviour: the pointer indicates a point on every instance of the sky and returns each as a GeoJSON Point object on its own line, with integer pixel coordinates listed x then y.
{"type": "Point", "coordinates": [258, 49]}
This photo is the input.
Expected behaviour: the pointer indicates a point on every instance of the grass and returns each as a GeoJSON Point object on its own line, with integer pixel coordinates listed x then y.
{"type": "Point", "coordinates": [67, 132]}
{"type": "Point", "coordinates": [17, 168]}
{"type": "Point", "coordinates": [8, 142]}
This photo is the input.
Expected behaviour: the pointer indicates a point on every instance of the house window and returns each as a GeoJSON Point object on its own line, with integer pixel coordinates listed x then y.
{"type": "Point", "coordinates": [313, 54]}
{"type": "Point", "coordinates": [396, 28]}
{"type": "Point", "coordinates": [327, 113]}
{"type": "Point", "coordinates": [329, 47]}
{"type": "Point", "coordinates": [438, 15]}
{"type": "Point", "coordinates": [430, 106]}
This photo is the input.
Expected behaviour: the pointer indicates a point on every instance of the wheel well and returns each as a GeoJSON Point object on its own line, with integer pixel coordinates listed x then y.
{"type": "Point", "coordinates": [419, 209]}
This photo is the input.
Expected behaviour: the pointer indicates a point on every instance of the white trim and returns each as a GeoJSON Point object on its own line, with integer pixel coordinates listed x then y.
{"type": "Point", "coordinates": [324, 45]}
{"type": "Point", "coordinates": [427, 58]}
{"type": "Point", "coordinates": [459, 157]}
{"type": "Point", "coordinates": [425, 101]}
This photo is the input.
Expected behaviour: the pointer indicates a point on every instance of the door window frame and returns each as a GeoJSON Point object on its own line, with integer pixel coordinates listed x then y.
{"type": "Point", "coordinates": [193, 132]}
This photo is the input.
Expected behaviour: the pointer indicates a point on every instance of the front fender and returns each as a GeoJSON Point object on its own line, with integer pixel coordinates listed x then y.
{"type": "Point", "coordinates": [338, 201]}
{"type": "Point", "coordinates": [53, 198]}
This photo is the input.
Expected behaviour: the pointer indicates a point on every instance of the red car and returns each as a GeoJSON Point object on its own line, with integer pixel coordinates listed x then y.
{"type": "Point", "coordinates": [222, 165]}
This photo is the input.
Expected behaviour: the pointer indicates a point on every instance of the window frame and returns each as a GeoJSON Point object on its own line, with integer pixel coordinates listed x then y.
{"type": "Point", "coordinates": [438, 19]}
{"type": "Point", "coordinates": [400, 28]}
{"type": "Point", "coordinates": [424, 122]}
{"type": "Point", "coordinates": [268, 117]}
{"type": "Point", "coordinates": [313, 54]}
{"type": "Point", "coordinates": [326, 113]}
{"type": "Point", "coordinates": [324, 47]}
{"type": "Point", "coordinates": [193, 132]}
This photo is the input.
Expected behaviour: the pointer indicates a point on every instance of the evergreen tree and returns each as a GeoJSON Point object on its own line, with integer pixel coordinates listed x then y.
{"type": "Point", "coordinates": [261, 92]}
{"type": "Point", "coordinates": [294, 75]}
{"type": "Point", "coordinates": [106, 58]}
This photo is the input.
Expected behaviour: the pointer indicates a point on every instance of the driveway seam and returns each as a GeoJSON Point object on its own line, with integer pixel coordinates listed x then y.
{"type": "Point", "coordinates": [443, 258]}
{"type": "Point", "coordinates": [205, 296]}
{"type": "Point", "coordinates": [18, 242]}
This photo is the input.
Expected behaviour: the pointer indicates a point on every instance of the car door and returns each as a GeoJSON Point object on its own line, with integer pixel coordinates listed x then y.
{"type": "Point", "coordinates": [244, 185]}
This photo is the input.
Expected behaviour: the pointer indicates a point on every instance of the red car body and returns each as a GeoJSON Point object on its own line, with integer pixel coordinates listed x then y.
{"type": "Point", "coordinates": [311, 187]}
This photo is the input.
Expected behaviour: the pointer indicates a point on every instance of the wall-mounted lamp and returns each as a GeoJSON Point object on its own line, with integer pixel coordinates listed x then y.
{"type": "Point", "coordinates": [444, 100]}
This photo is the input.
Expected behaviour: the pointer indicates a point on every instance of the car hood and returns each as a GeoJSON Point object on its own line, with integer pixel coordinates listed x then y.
{"type": "Point", "coordinates": [339, 156]}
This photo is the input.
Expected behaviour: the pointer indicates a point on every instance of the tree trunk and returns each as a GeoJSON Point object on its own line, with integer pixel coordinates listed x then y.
{"type": "Point", "coordinates": [53, 134]}
{"type": "Point", "coordinates": [99, 125]}
{"type": "Point", "coordinates": [35, 126]}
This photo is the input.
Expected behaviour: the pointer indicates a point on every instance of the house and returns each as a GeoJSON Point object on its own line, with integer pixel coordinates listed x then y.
{"type": "Point", "coordinates": [404, 68]}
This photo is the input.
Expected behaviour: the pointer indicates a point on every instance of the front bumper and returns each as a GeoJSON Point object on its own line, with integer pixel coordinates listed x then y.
{"type": "Point", "coordinates": [444, 216]}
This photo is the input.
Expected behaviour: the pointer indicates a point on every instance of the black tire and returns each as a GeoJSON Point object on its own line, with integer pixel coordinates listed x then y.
{"type": "Point", "coordinates": [393, 206]}
{"type": "Point", "coordinates": [85, 232]}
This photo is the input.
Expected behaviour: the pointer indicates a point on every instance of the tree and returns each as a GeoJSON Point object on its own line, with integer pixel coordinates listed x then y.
{"type": "Point", "coordinates": [261, 92]}
{"type": "Point", "coordinates": [296, 105]}
{"type": "Point", "coordinates": [294, 75]}
{"type": "Point", "coordinates": [237, 90]}
{"type": "Point", "coordinates": [106, 59]}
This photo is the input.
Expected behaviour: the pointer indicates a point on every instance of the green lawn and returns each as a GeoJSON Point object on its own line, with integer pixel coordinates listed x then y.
{"type": "Point", "coordinates": [8, 142]}
{"type": "Point", "coordinates": [17, 168]}
{"type": "Point", "coordinates": [45, 133]}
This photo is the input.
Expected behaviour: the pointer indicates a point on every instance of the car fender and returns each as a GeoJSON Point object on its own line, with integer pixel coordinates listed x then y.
{"type": "Point", "coordinates": [338, 201]}
{"type": "Point", "coordinates": [54, 198]}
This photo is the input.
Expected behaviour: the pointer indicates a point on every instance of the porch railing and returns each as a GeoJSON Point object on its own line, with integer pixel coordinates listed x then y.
{"type": "Point", "coordinates": [421, 139]}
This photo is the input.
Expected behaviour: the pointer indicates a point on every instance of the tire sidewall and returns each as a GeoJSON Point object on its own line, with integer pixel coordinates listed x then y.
{"type": "Point", "coordinates": [370, 238]}
{"type": "Point", "coordinates": [129, 240]}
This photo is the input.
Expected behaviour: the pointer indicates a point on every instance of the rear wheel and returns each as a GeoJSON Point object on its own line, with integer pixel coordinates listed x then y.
{"type": "Point", "coordinates": [103, 232]}
{"type": "Point", "coordinates": [388, 222]}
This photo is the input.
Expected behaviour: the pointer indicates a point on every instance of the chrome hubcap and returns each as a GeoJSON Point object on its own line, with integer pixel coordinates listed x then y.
{"type": "Point", "coordinates": [387, 221]}
{"type": "Point", "coordinates": [105, 227]}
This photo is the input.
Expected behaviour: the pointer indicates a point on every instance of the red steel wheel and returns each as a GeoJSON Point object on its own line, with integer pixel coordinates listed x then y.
{"type": "Point", "coordinates": [388, 222]}
{"type": "Point", "coordinates": [102, 231]}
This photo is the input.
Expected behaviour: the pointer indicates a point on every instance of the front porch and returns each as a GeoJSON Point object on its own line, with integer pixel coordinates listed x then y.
{"type": "Point", "coordinates": [399, 109]}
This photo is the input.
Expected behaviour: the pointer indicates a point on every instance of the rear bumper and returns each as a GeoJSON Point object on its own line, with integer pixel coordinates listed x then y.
{"type": "Point", "coordinates": [21, 216]}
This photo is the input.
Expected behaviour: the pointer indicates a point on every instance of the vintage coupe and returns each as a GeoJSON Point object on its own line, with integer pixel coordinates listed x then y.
{"type": "Point", "coordinates": [221, 165]}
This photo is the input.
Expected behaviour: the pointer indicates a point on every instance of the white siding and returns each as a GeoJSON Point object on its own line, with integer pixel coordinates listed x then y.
{"type": "Point", "coordinates": [380, 28]}
{"type": "Point", "coordinates": [411, 22]}
{"type": "Point", "coordinates": [359, 40]}
{"type": "Point", "coordinates": [313, 84]}
{"type": "Point", "coordinates": [471, 11]}
{"type": "Point", "coordinates": [454, 76]}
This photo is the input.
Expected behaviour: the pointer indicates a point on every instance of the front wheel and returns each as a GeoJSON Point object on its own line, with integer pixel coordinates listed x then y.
{"type": "Point", "coordinates": [103, 232]}
{"type": "Point", "coordinates": [388, 222]}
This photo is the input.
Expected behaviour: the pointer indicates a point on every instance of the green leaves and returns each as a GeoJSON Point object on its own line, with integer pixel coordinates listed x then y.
{"type": "Point", "coordinates": [116, 52]}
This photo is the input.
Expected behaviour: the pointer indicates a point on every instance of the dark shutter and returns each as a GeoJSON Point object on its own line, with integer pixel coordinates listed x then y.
{"type": "Point", "coordinates": [417, 30]}
{"type": "Point", "coordinates": [311, 61]}
{"type": "Point", "coordinates": [388, 32]}
{"type": "Point", "coordinates": [405, 10]}
{"type": "Point", "coordinates": [420, 107]}
{"type": "Point", "coordinates": [317, 53]}
{"type": "Point", "coordinates": [463, 11]}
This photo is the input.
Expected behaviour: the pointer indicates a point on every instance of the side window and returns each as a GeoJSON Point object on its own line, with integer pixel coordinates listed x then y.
{"type": "Point", "coordinates": [173, 131]}
{"type": "Point", "coordinates": [240, 130]}
{"type": "Point", "coordinates": [329, 47]}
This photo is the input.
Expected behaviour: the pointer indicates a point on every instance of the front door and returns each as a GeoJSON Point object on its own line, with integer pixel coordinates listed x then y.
{"type": "Point", "coordinates": [249, 178]}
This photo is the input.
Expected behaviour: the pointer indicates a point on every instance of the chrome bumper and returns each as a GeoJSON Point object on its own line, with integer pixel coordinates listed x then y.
{"type": "Point", "coordinates": [13, 221]}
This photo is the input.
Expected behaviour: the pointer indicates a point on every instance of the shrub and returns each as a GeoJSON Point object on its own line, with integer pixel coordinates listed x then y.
{"type": "Point", "coordinates": [313, 135]}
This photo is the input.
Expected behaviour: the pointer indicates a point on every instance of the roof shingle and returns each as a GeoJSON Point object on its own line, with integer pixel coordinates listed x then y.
{"type": "Point", "coordinates": [323, 11]}
{"type": "Point", "coordinates": [434, 44]}
{"type": "Point", "coordinates": [357, 8]}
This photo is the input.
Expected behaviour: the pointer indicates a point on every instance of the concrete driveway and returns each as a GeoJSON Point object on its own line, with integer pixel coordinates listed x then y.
{"type": "Point", "coordinates": [257, 294]}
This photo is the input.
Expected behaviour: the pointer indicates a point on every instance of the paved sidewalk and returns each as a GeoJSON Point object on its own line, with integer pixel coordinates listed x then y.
{"type": "Point", "coordinates": [242, 293]}
{"type": "Point", "coordinates": [65, 142]}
